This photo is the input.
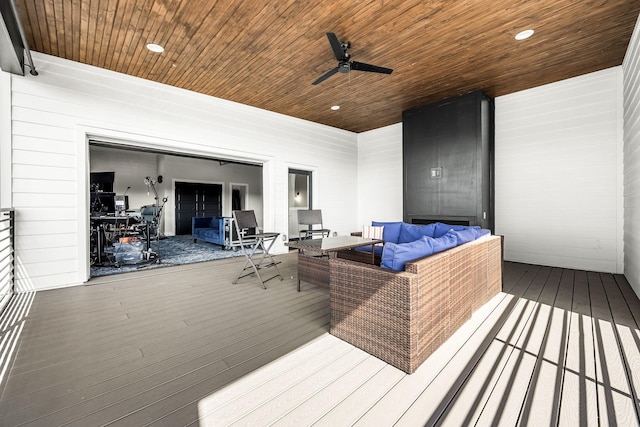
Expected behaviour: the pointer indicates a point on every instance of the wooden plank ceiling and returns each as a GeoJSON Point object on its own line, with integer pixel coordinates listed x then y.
{"type": "Point", "coordinates": [266, 53]}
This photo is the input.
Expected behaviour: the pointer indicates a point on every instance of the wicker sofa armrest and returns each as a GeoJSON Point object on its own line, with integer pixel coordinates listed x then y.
{"type": "Point", "coordinates": [381, 312]}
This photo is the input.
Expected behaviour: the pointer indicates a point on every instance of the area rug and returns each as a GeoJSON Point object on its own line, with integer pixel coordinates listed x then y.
{"type": "Point", "coordinates": [174, 250]}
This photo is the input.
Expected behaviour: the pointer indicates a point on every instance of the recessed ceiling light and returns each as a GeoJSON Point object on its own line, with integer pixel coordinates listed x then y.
{"type": "Point", "coordinates": [524, 34]}
{"type": "Point", "coordinates": [335, 107]}
{"type": "Point", "coordinates": [155, 48]}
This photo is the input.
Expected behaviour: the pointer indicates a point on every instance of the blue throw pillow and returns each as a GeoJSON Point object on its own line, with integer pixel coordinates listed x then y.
{"type": "Point", "coordinates": [396, 255]}
{"type": "Point", "coordinates": [391, 230]}
{"type": "Point", "coordinates": [411, 232]}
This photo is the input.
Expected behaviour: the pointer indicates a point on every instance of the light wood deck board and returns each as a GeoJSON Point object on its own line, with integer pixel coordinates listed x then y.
{"type": "Point", "coordinates": [252, 390]}
{"type": "Point", "coordinates": [360, 401]}
{"type": "Point", "coordinates": [125, 375]}
{"type": "Point", "coordinates": [437, 372]}
{"type": "Point", "coordinates": [615, 405]}
{"type": "Point", "coordinates": [504, 406]}
{"type": "Point", "coordinates": [628, 334]}
{"type": "Point", "coordinates": [471, 388]}
{"type": "Point", "coordinates": [578, 402]}
{"type": "Point", "coordinates": [172, 373]}
{"type": "Point", "coordinates": [184, 342]}
{"type": "Point", "coordinates": [183, 346]}
{"type": "Point", "coordinates": [545, 389]}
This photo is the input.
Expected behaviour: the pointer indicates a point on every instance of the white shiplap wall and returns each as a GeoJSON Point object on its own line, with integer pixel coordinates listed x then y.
{"type": "Point", "coordinates": [53, 113]}
{"type": "Point", "coordinates": [631, 72]}
{"type": "Point", "coordinates": [559, 173]}
{"type": "Point", "coordinates": [5, 140]}
{"type": "Point", "coordinates": [380, 175]}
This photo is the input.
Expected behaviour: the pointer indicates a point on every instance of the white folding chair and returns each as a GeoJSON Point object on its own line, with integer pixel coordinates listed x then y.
{"type": "Point", "coordinates": [255, 246]}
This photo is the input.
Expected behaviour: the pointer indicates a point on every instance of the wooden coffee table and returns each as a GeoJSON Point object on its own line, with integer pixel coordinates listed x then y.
{"type": "Point", "coordinates": [314, 255]}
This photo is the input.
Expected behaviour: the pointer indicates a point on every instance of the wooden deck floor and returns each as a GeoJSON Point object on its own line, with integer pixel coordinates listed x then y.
{"type": "Point", "coordinates": [183, 346]}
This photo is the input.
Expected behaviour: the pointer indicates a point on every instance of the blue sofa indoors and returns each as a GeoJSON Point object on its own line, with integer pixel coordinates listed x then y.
{"type": "Point", "coordinates": [209, 229]}
{"type": "Point", "coordinates": [405, 242]}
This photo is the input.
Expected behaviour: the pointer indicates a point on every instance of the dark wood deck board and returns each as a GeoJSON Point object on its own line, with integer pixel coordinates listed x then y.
{"type": "Point", "coordinates": [183, 346]}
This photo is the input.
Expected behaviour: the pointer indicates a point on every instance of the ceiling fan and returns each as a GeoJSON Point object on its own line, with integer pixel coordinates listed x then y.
{"type": "Point", "coordinates": [344, 64]}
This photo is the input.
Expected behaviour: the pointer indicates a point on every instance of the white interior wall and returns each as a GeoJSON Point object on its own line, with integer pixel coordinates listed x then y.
{"type": "Point", "coordinates": [631, 88]}
{"type": "Point", "coordinates": [380, 175]}
{"type": "Point", "coordinates": [558, 173]}
{"type": "Point", "coordinates": [5, 141]}
{"type": "Point", "coordinates": [53, 114]}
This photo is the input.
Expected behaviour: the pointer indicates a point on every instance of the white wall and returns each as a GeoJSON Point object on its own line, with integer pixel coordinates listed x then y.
{"type": "Point", "coordinates": [380, 175]}
{"type": "Point", "coordinates": [5, 141]}
{"type": "Point", "coordinates": [631, 72]}
{"type": "Point", "coordinates": [559, 173]}
{"type": "Point", "coordinates": [53, 113]}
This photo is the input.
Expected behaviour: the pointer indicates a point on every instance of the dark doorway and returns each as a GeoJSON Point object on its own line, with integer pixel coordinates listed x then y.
{"type": "Point", "coordinates": [195, 199]}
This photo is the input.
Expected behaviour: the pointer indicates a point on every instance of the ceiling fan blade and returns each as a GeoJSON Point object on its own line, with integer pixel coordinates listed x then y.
{"type": "Point", "coordinates": [360, 66]}
{"type": "Point", "coordinates": [326, 75]}
{"type": "Point", "coordinates": [336, 46]}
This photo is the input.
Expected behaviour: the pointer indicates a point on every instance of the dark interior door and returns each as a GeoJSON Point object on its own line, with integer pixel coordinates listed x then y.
{"type": "Point", "coordinates": [196, 200]}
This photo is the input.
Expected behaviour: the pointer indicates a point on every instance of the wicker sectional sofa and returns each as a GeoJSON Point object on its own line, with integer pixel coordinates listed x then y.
{"type": "Point", "coordinates": [402, 317]}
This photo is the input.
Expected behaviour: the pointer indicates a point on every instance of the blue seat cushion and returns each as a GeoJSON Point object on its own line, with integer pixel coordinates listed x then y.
{"type": "Point", "coordinates": [411, 232]}
{"type": "Point", "coordinates": [391, 231]}
{"type": "Point", "coordinates": [209, 232]}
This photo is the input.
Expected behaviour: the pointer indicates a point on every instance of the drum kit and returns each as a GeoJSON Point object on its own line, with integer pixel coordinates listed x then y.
{"type": "Point", "coordinates": [117, 238]}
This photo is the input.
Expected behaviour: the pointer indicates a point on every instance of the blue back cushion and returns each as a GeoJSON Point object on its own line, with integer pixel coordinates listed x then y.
{"type": "Point", "coordinates": [445, 242]}
{"type": "Point", "coordinates": [464, 236]}
{"type": "Point", "coordinates": [396, 255]}
{"type": "Point", "coordinates": [411, 232]}
{"type": "Point", "coordinates": [441, 228]}
{"type": "Point", "coordinates": [391, 230]}
{"type": "Point", "coordinates": [481, 232]}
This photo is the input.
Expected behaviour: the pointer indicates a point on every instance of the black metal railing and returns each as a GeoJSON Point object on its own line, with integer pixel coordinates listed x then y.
{"type": "Point", "coordinates": [7, 256]}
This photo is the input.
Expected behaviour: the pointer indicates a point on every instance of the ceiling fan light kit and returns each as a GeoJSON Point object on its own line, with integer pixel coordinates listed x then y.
{"type": "Point", "coordinates": [345, 65]}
